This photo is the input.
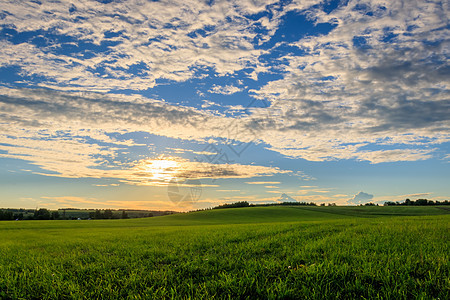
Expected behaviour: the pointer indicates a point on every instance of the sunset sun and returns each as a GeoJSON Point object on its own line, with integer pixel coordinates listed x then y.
{"type": "Point", "coordinates": [162, 169]}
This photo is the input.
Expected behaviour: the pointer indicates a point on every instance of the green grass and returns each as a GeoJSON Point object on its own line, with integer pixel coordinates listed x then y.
{"type": "Point", "coordinates": [243, 253]}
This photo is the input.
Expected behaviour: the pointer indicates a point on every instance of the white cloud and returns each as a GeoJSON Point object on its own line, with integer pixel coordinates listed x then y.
{"type": "Point", "coordinates": [361, 198]}
{"type": "Point", "coordinates": [207, 103]}
{"type": "Point", "coordinates": [335, 102]}
{"type": "Point", "coordinates": [224, 90]}
{"type": "Point", "coordinates": [341, 98]}
{"type": "Point", "coordinates": [183, 37]}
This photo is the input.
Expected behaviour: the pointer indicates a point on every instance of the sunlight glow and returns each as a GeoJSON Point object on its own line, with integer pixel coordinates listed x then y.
{"type": "Point", "coordinates": [162, 169]}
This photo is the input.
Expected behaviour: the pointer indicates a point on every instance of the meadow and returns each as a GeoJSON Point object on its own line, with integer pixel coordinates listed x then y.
{"type": "Point", "coordinates": [241, 253]}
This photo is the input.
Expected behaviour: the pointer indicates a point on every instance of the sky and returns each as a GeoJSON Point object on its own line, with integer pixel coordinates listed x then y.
{"type": "Point", "coordinates": [189, 104]}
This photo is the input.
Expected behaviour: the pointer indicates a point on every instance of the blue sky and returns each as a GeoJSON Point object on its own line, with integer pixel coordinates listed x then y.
{"type": "Point", "coordinates": [114, 104]}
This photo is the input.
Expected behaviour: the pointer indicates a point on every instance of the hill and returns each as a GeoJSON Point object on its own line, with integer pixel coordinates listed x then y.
{"type": "Point", "coordinates": [276, 214]}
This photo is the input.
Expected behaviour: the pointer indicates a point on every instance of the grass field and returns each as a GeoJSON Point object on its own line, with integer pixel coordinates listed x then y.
{"type": "Point", "coordinates": [243, 253]}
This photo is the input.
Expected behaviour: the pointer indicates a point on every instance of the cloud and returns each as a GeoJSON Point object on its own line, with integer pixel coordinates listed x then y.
{"type": "Point", "coordinates": [224, 90]}
{"type": "Point", "coordinates": [340, 97]}
{"type": "Point", "coordinates": [56, 202]}
{"type": "Point", "coordinates": [263, 182]}
{"type": "Point", "coordinates": [161, 171]}
{"type": "Point", "coordinates": [417, 195]}
{"type": "Point", "coordinates": [103, 46]}
{"type": "Point", "coordinates": [309, 191]}
{"type": "Point", "coordinates": [97, 114]}
{"type": "Point", "coordinates": [73, 201]}
{"type": "Point", "coordinates": [395, 155]}
{"type": "Point", "coordinates": [55, 160]}
{"type": "Point", "coordinates": [361, 198]}
{"type": "Point", "coordinates": [204, 153]}
{"type": "Point", "coordinates": [67, 136]}
{"type": "Point", "coordinates": [207, 103]}
{"type": "Point", "coordinates": [374, 88]}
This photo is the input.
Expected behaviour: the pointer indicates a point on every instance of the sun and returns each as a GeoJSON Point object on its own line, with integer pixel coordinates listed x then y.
{"type": "Point", "coordinates": [162, 169]}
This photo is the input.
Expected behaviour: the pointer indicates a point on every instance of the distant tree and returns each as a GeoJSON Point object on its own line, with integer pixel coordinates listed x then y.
{"type": "Point", "coordinates": [18, 216]}
{"type": "Point", "coordinates": [42, 214]}
{"type": "Point", "coordinates": [124, 215]}
{"type": "Point", "coordinates": [96, 215]}
{"type": "Point", "coordinates": [55, 215]}
{"type": "Point", "coordinates": [421, 202]}
{"type": "Point", "coordinates": [108, 214]}
{"type": "Point", "coordinates": [233, 205]}
{"type": "Point", "coordinates": [6, 215]}
{"type": "Point", "coordinates": [418, 202]}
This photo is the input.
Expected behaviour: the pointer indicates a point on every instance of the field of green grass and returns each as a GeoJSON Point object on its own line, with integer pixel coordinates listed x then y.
{"type": "Point", "coordinates": [242, 253]}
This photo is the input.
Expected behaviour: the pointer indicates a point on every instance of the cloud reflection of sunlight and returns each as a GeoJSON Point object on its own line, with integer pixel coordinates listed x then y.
{"type": "Point", "coordinates": [161, 169]}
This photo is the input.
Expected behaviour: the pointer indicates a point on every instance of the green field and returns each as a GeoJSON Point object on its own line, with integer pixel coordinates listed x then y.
{"type": "Point", "coordinates": [242, 253]}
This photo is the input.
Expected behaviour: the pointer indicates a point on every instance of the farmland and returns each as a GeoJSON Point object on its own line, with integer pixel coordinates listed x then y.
{"type": "Point", "coordinates": [257, 252]}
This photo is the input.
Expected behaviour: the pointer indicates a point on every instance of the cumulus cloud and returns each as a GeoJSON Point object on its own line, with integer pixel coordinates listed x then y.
{"type": "Point", "coordinates": [360, 198]}
{"type": "Point", "coordinates": [381, 76]}
{"type": "Point", "coordinates": [93, 46]}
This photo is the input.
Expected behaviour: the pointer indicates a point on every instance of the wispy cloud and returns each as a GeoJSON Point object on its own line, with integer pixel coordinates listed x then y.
{"type": "Point", "coordinates": [55, 202]}
{"type": "Point", "coordinates": [161, 171]}
{"type": "Point", "coordinates": [224, 90]}
{"type": "Point", "coordinates": [263, 182]}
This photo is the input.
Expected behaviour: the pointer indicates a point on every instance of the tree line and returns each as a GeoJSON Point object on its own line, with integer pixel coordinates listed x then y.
{"type": "Point", "coordinates": [108, 214]}
{"type": "Point", "coordinates": [246, 204]}
{"type": "Point", "coordinates": [39, 214]}
{"type": "Point", "coordinates": [45, 214]}
{"type": "Point", "coordinates": [418, 202]}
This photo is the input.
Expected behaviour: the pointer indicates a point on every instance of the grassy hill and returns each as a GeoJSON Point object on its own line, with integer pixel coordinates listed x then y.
{"type": "Point", "coordinates": [247, 253]}
{"type": "Point", "coordinates": [276, 214]}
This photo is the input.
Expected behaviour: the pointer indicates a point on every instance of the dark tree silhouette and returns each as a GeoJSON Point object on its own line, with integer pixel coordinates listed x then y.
{"type": "Point", "coordinates": [42, 214]}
